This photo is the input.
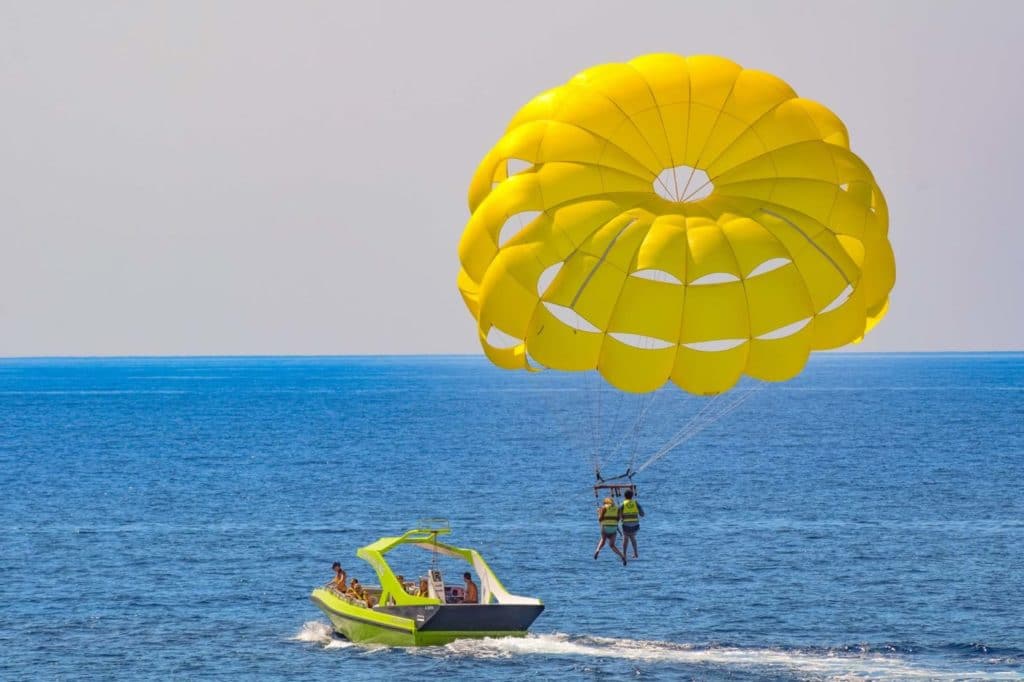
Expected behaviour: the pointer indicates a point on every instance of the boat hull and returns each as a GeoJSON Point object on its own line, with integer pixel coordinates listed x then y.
{"type": "Point", "coordinates": [424, 625]}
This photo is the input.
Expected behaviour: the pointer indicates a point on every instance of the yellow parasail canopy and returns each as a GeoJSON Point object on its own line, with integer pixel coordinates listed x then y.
{"type": "Point", "coordinates": [673, 218]}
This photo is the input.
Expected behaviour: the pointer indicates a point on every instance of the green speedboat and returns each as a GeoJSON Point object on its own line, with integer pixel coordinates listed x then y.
{"type": "Point", "coordinates": [395, 614]}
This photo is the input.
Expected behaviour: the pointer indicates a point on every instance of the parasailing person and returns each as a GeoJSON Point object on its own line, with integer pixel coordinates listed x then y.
{"type": "Point", "coordinates": [630, 513]}
{"type": "Point", "coordinates": [608, 517]}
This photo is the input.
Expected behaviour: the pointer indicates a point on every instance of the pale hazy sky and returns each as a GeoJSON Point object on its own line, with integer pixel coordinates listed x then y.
{"type": "Point", "coordinates": [290, 177]}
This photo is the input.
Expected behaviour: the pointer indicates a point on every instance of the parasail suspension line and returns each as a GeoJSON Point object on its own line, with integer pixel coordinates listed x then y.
{"type": "Point", "coordinates": [637, 425]}
{"type": "Point", "coordinates": [708, 415]}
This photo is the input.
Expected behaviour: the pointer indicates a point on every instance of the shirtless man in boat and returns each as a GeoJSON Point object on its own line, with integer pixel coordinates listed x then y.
{"type": "Point", "coordinates": [472, 595]}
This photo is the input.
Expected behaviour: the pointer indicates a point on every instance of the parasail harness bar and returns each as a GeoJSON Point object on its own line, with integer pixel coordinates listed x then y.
{"type": "Point", "coordinates": [614, 489]}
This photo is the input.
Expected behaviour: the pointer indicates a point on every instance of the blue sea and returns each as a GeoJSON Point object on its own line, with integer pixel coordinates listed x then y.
{"type": "Point", "coordinates": [167, 518]}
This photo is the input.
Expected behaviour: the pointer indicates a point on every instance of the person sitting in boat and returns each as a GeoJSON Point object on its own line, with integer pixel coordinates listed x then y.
{"type": "Point", "coordinates": [608, 517]}
{"type": "Point", "coordinates": [356, 591]}
{"type": "Point", "coordinates": [472, 595]}
{"type": "Point", "coordinates": [424, 590]}
{"type": "Point", "coordinates": [630, 513]}
{"type": "Point", "coordinates": [338, 583]}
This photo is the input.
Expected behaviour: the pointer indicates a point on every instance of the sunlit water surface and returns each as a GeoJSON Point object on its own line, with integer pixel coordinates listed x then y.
{"type": "Point", "coordinates": [168, 518]}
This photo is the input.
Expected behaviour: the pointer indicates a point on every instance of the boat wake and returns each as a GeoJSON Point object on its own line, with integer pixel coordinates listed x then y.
{"type": "Point", "coordinates": [820, 663]}
{"type": "Point", "coordinates": [825, 663]}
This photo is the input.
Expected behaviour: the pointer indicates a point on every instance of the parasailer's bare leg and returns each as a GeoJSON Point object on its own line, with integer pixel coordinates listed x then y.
{"type": "Point", "coordinates": [610, 541]}
{"type": "Point", "coordinates": [626, 539]}
{"type": "Point", "coordinates": [600, 545]}
{"type": "Point", "coordinates": [622, 555]}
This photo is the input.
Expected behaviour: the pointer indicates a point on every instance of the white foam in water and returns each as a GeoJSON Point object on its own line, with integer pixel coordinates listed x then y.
{"type": "Point", "coordinates": [315, 632]}
{"type": "Point", "coordinates": [319, 632]}
{"type": "Point", "coordinates": [832, 665]}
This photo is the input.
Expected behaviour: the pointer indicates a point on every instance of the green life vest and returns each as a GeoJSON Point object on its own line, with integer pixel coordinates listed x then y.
{"type": "Point", "coordinates": [610, 517]}
{"type": "Point", "coordinates": [630, 512]}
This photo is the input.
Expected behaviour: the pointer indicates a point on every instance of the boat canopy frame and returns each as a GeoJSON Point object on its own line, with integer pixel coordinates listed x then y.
{"type": "Point", "coordinates": [392, 592]}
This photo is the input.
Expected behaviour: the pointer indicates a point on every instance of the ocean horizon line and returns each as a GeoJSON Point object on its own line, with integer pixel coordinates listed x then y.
{"type": "Point", "coordinates": [460, 356]}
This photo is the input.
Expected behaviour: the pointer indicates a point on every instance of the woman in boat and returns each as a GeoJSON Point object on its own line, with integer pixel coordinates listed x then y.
{"type": "Point", "coordinates": [608, 517]}
{"type": "Point", "coordinates": [338, 583]}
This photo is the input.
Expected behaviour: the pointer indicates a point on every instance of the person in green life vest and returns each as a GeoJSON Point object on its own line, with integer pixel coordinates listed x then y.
{"type": "Point", "coordinates": [630, 513]}
{"type": "Point", "coordinates": [608, 517]}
